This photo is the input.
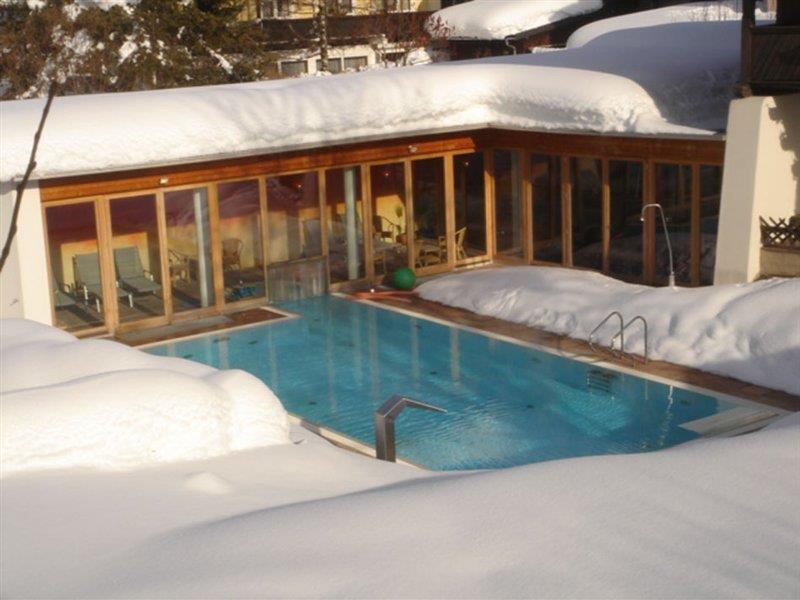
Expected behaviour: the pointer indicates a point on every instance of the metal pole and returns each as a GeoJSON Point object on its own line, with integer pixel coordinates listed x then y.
{"type": "Point", "coordinates": [671, 279]}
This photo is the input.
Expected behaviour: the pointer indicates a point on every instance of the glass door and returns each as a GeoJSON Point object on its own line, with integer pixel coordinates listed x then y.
{"type": "Point", "coordinates": [189, 249]}
{"type": "Point", "coordinates": [430, 239]}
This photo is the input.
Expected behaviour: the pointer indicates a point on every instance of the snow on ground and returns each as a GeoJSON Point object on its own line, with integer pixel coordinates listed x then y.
{"type": "Point", "coordinates": [712, 519]}
{"type": "Point", "coordinates": [96, 403]}
{"type": "Point", "coordinates": [497, 19]}
{"type": "Point", "coordinates": [748, 331]}
{"type": "Point", "coordinates": [669, 78]}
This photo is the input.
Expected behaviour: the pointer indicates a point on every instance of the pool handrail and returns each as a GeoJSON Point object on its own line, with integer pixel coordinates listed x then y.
{"type": "Point", "coordinates": [628, 324]}
{"type": "Point", "coordinates": [384, 418]}
{"type": "Point", "coordinates": [620, 333]}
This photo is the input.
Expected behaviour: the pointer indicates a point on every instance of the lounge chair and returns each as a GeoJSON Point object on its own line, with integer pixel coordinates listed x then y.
{"type": "Point", "coordinates": [232, 254]}
{"type": "Point", "coordinates": [61, 299]}
{"type": "Point", "coordinates": [131, 275]}
{"type": "Point", "coordinates": [87, 279]}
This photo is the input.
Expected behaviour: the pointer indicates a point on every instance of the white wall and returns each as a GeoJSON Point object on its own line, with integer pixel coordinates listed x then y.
{"type": "Point", "coordinates": [24, 284]}
{"type": "Point", "coordinates": [761, 178]}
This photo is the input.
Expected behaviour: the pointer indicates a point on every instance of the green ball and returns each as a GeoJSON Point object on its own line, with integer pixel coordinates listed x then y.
{"type": "Point", "coordinates": [404, 279]}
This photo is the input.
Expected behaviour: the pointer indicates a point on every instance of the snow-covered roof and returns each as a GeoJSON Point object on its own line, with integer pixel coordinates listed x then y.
{"type": "Point", "coordinates": [498, 19]}
{"type": "Point", "coordinates": [671, 75]}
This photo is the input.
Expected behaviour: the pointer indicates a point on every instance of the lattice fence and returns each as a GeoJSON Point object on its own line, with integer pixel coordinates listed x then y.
{"type": "Point", "coordinates": [780, 233]}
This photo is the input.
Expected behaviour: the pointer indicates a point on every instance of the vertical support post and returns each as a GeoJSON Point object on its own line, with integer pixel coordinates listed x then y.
{"type": "Point", "coordinates": [606, 214]}
{"type": "Point", "coordinates": [351, 224]}
{"type": "Point", "coordinates": [201, 229]}
{"type": "Point", "coordinates": [566, 211]}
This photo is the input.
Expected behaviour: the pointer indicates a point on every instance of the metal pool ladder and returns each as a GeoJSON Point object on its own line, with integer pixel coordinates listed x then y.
{"type": "Point", "coordinates": [621, 334]}
{"type": "Point", "coordinates": [384, 419]}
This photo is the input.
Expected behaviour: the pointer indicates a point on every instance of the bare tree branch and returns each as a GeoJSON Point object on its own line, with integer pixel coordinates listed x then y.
{"type": "Point", "coordinates": [12, 230]}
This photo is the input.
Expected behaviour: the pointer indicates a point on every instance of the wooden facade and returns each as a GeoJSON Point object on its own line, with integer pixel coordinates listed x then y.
{"type": "Point", "coordinates": [509, 172]}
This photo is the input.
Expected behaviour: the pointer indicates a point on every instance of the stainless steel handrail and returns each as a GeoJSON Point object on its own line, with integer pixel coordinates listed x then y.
{"type": "Point", "coordinates": [621, 331]}
{"type": "Point", "coordinates": [384, 418]}
{"type": "Point", "coordinates": [628, 324]}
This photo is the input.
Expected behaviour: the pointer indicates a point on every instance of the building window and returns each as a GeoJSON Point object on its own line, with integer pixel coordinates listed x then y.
{"type": "Point", "coordinates": [344, 213]}
{"type": "Point", "coordinates": [626, 243]}
{"type": "Point", "coordinates": [587, 212]}
{"type": "Point", "coordinates": [293, 68]}
{"type": "Point", "coordinates": [294, 217]}
{"type": "Point", "coordinates": [334, 65]}
{"type": "Point", "coordinates": [137, 257]}
{"type": "Point", "coordinates": [355, 63]}
{"type": "Point", "coordinates": [271, 9]}
{"type": "Point", "coordinates": [674, 193]}
{"type": "Point", "coordinates": [189, 247]}
{"type": "Point", "coordinates": [430, 219]}
{"type": "Point", "coordinates": [470, 206]}
{"type": "Point", "coordinates": [507, 203]}
{"type": "Point", "coordinates": [241, 239]}
{"type": "Point", "coordinates": [389, 237]}
{"type": "Point", "coordinates": [710, 189]}
{"type": "Point", "coordinates": [546, 183]}
{"type": "Point", "coordinates": [77, 287]}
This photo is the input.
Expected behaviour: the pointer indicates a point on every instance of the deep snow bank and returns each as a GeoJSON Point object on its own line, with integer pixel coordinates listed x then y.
{"type": "Point", "coordinates": [497, 19]}
{"type": "Point", "coordinates": [716, 518]}
{"type": "Point", "coordinates": [66, 402]}
{"type": "Point", "coordinates": [669, 78]}
{"type": "Point", "coordinates": [747, 331]}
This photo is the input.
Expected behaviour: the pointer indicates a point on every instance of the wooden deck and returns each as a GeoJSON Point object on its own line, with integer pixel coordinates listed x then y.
{"type": "Point", "coordinates": [717, 383]}
{"type": "Point", "coordinates": [189, 328]}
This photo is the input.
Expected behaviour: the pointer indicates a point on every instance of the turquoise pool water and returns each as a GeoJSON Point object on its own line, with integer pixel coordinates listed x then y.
{"type": "Point", "coordinates": [507, 404]}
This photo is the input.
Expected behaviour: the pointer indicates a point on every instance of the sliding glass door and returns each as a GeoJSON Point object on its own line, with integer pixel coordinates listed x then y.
{"type": "Point", "coordinates": [389, 227]}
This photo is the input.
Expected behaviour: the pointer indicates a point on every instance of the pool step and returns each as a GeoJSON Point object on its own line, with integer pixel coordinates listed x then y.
{"type": "Point", "coordinates": [600, 380]}
{"type": "Point", "coordinates": [731, 421]}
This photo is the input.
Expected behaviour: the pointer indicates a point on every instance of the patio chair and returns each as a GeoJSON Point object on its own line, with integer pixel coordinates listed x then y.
{"type": "Point", "coordinates": [232, 254]}
{"type": "Point", "coordinates": [87, 279]}
{"type": "Point", "coordinates": [61, 299]}
{"type": "Point", "coordinates": [461, 234]}
{"type": "Point", "coordinates": [131, 275]}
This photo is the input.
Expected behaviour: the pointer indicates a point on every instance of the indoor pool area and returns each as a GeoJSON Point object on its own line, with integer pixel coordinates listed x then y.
{"type": "Point", "coordinates": [507, 403]}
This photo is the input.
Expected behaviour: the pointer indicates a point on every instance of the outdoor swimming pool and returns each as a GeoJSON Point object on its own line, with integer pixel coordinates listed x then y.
{"type": "Point", "coordinates": [508, 404]}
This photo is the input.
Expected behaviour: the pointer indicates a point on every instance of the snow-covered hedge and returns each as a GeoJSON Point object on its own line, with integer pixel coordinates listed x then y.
{"type": "Point", "coordinates": [747, 331]}
{"type": "Point", "coordinates": [66, 402]}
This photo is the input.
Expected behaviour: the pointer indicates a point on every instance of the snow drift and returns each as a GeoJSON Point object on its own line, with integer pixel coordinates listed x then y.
{"type": "Point", "coordinates": [497, 19]}
{"type": "Point", "coordinates": [671, 78]}
{"type": "Point", "coordinates": [712, 519]}
{"type": "Point", "coordinates": [66, 402]}
{"type": "Point", "coordinates": [747, 331]}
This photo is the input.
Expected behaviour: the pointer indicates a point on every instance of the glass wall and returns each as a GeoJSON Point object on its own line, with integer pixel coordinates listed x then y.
{"type": "Point", "coordinates": [294, 217]}
{"type": "Point", "coordinates": [430, 215]}
{"type": "Point", "coordinates": [470, 206]}
{"type": "Point", "coordinates": [507, 204]}
{"type": "Point", "coordinates": [240, 235]}
{"type": "Point", "coordinates": [189, 248]}
{"type": "Point", "coordinates": [77, 292]}
{"type": "Point", "coordinates": [344, 211]}
{"type": "Point", "coordinates": [389, 236]}
{"type": "Point", "coordinates": [137, 257]}
{"type": "Point", "coordinates": [710, 191]}
{"type": "Point", "coordinates": [674, 193]}
{"type": "Point", "coordinates": [626, 243]}
{"type": "Point", "coordinates": [587, 212]}
{"type": "Point", "coordinates": [546, 210]}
